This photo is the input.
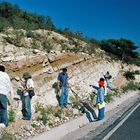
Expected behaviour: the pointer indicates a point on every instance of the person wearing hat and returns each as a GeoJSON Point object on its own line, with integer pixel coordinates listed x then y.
{"type": "Point", "coordinates": [6, 89]}
{"type": "Point", "coordinates": [28, 86]}
{"type": "Point", "coordinates": [63, 85]}
{"type": "Point", "coordinates": [100, 98]}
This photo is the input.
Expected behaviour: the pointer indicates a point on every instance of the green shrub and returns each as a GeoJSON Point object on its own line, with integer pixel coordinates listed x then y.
{"type": "Point", "coordinates": [30, 34]}
{"type": "Point", "coordinates": [38, 107]}
{"type": "Point", "coordinates": [34, 44]}
{"type": "Point", "coordinates": [75, 49]}
{"type": "Point", "coordinates": [137, 72]}
{"type": "Point", "coordinates": [92, 96]}
{"type": "Point", "coordinates": [108, 98]}
{"type": "Point", "coordinates": [1, 27]}
{"type": "Point", "coordinates": [64, 47]}
{"type": "Point", "coordinates": [12, 115]}
{"type": "Point", "coordinates": [48, 47]}
{"type": "Point", "coordinates": [15, 39]}
{"type": "Point", "coordinates": [44, 116]}
{"type": "Point", "coordinates": [116, 92]}
{"type": "Point", "coordinates": [9, 40]}
{"type": "Point", "coordinates": [76, 102]}
{"type": "Point", "coordinates": [33, 125]}
{"type": "Point", "coordinates": [44, 112]}
{"type": "Point", "coordinates": [129, 75]}
{"type": "Point", "coordinates": [58, 112]}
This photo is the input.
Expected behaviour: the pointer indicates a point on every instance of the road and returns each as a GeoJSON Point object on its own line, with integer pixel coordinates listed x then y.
{"type": "Point", "coordinates": [125, 127]}
{"type": "Point", "coordinates": [130, 129]}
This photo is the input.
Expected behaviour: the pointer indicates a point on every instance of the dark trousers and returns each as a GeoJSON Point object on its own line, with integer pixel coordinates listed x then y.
{"type": "Point", "coordinates": [90, 109]}
{"type": "Point", "coordinates": [3, 109]}
{"type": "Point", "coordinates": [101, 113]}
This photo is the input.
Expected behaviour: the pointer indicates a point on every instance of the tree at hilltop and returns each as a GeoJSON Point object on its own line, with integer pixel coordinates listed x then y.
{"type": "Point", "coordinates": [122, 48]}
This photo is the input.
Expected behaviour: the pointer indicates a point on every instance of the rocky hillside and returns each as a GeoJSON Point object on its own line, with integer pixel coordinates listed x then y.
{"type": "Point", "coordinates": [44, 53]}
{"type": "Point", "coordinates": [19, 55]}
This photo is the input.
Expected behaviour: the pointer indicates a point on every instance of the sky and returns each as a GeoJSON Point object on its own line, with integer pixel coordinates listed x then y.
{"type": "Point", "coordinates": [99, 19]}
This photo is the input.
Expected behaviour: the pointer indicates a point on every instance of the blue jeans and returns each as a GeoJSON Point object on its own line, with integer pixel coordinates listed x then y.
{"type": "Point", "coordinates": [63, 101]}
{"type": "Point", "coordinates": [101, 113]}
{"type": "Point", "coordinates": [26, 107]}
{"type": "Point", "coordinates": [3, 109]}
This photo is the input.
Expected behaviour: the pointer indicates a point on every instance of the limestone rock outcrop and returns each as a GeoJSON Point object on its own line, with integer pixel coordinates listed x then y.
{"type": "Point", "coordinates": [83, 69]}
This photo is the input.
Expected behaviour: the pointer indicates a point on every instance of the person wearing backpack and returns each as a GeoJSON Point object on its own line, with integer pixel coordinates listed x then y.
{"type": "Point", "coordinates": [28, 87]}
{"type": "Point", "coordinates": [63, 86]}
{"type": "Point", "coordinates": [6, 89]}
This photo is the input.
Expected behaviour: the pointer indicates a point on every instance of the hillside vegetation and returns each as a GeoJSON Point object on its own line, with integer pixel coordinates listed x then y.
{"type": "Point", "coordinates": [13, 16]}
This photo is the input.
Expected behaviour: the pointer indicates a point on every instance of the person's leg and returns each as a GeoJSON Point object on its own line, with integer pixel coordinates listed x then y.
{"type": "Point", "coordinates": [91, 110]}
{"type": "Point", "coordinates": [101, 113]}
{"type": "Point", "coordinates": [89, 116]}
{"type": "Point", "coordinates": [65, 96]}
{"type": "Point", "coordinates": [23, 106]}
{"type": "Point", "coordinates": [28, 108]}
{"type": "Point", "coordinates": [4, 118]}
{"type": "Point", "coordinates": [61, 99]}
{"type": "Point", "coordinates": [0, 110]}
{"type": "Point", "coordinates": [58, 95]}
{"type": "Point", "coordinates": [3, 109]}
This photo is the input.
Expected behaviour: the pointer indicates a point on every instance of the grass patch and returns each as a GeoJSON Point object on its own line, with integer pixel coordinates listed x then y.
{"type": "Point", "coordinates": [76, 102]}
{"type": "Point", "coordinates": [131, 86]}
{"type": "Point", "coordinates": [43, 116]}
{"type": "Point", "coordinates": [38, 107]}
{"type": "Point", "coordinates": [43, 112]}
{"type": "Point", "coordinates": [7, 136]}
{"type": "Point", "coordinates": [33, 125]}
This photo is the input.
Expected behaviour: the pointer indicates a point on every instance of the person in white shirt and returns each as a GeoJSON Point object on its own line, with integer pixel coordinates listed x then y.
{"type": "Point", "coordinates": [6, 91]}
{"type": "Point", "coordinates": [28, 86]}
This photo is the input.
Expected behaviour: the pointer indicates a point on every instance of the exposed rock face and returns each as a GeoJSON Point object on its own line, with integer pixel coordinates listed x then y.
{"type": "Point", "coordinates": [83, 69]}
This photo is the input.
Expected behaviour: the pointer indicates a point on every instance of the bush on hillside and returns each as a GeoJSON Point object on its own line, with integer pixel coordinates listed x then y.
{"type": "Point", "coordinates": [130, 75]}
{"type": "Point", "coordinates": [124, 49]}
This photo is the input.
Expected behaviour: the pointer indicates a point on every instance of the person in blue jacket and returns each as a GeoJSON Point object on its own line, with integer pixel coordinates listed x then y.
{"type": "Point", "coordinates": [100, 98]}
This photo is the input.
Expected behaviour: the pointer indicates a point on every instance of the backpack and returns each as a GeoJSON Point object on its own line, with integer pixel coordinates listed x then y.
{"type": "Point", "coordinates": [31, 93]}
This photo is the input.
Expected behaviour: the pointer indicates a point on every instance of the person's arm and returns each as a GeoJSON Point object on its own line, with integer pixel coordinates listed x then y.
{"type": "Point", "coordinates": [10, 87]}
{"type": "Point", "coordinates": [29, 89]}
{"type": "Point", "coordinates": [95, 87]}
{"type": "Point", "coordinates": [10, 90]}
